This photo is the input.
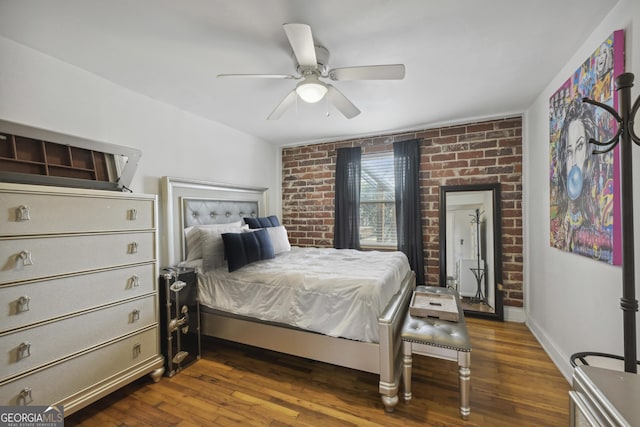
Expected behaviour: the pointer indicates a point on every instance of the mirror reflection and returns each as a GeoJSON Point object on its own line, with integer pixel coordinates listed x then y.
{"type": "Point", "coordinates": [469, 238]}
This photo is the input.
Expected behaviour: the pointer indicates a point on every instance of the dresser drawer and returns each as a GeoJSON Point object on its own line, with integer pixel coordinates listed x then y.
{"type": "Point", "coordinates": [32, 302]}
{"type": "Point", "coordinates": [32, 347]}
{"type": "Point", "coordinates": [55, 384]}
{"type": "Point", "coordinates": [27, 213]}
{"type": "Point", "coordinates": [40, 257]}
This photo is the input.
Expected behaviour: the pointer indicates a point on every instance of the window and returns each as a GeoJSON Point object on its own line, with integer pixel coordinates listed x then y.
{"type": "Point", "coordinates": [377, 201]}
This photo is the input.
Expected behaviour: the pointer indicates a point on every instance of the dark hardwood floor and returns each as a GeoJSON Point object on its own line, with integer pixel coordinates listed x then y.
{"type": "Point", "coordinates": [514, 383]}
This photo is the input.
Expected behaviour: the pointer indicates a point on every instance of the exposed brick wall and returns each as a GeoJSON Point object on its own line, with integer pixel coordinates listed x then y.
{"type": "Point", "coordinates": [474, 153]}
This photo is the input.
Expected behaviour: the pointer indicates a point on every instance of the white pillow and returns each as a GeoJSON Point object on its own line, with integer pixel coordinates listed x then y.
{"type": "Point", "coordinates": [194, 243]}
{"type": "Point", "coordinates": [279, 239]}
{"type": "Point", "coordinates": [213, 245]}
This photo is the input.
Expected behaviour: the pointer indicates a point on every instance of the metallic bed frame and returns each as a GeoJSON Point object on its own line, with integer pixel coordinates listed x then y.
{"type": "Point", "coordinates": [188, 202]}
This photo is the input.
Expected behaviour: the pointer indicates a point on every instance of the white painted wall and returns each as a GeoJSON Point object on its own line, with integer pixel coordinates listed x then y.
{"type": "Point", "coordinates": [41, 91]}
{"type": "Point", "coordinates": [573, 303]}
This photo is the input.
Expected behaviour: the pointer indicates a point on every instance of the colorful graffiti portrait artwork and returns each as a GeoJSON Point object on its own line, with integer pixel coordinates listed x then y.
{"type": "Point", "coordinates": [584, 187]}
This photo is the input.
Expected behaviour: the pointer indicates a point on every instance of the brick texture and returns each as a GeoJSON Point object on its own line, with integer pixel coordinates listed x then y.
{"type": "Point", "coordinates": [475, 153]}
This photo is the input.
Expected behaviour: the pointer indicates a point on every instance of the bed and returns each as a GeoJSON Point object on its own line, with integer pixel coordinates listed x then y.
{"type": "Point", "coordinates": [358, 339]}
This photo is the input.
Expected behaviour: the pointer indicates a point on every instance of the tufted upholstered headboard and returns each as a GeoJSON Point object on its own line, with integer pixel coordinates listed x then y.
{"type": "Point", "coordinates": [210, 211]}
{"type": "Point", "coordinates": [187, 202]}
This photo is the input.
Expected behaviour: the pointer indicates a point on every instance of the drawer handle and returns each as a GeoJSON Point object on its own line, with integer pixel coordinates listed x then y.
{"type": "Point", "coordinates": [137, 349]}
{"type": "Point", "coordinates": [134, 281]}
{"type": "Point", "coordinates": [23, 213]}
{"type": "Point", "coordinates": [135, 315]}
{"type": "Point", "coordinates": [24, 350]}
{"type": "Point", "coordinates": [23, 303]}
{"type": "Point", "coordinates": [25, 396]}
{"type": "Point", "coordinates": [26, 258]}
{"type": "Point", "coordinates": [133, 214]}
{"type": "Point", "coordinates": [133, 247]}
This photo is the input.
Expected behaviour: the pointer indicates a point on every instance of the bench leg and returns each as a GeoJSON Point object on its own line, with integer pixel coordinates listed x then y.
{"type": "Point", "coordinates": [406, 372]}
{"type": "Point", "coordinates": [464, 380]}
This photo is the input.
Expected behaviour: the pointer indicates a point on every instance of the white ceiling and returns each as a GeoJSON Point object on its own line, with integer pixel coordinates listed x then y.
{"type": "Point", "coordinates": [465, 59]}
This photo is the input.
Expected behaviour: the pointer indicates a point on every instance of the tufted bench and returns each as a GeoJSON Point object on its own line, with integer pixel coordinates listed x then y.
{"type": "Point", "coordinates": [438, 338]}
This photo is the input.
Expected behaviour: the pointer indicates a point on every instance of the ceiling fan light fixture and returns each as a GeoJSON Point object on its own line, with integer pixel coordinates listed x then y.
{"type": "Point", "coordinates": [311, 89]}
{"type": "Point", "coordinates": [311, 64]}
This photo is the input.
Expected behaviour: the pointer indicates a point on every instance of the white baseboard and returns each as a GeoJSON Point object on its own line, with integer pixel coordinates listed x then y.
{"type": "Point", "coordinates": [514, 314]}
{"type": "Point", "coordinates": [560, 359]}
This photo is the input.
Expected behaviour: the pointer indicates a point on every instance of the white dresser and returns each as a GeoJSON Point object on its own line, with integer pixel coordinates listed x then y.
{"type": "Point", "coordinates": [604, 398]}
{"type": "Point", "coordinates": [78, 294]}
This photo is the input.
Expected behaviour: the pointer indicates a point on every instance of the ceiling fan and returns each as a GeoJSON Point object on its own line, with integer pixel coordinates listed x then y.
{"type": "Point", "coordinates": [311, 67]}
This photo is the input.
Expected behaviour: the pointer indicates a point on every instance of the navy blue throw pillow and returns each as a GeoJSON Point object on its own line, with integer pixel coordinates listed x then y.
{"type": "Point", "coordinates": [264, 242]}
{"type": "Point", "coordinates": [262, 222]}
{"type": "Point", "coordinates": [244, 248]}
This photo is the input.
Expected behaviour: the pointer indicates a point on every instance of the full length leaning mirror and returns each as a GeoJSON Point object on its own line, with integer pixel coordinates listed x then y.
{"type": "Point", "coordinates": [470, 247]}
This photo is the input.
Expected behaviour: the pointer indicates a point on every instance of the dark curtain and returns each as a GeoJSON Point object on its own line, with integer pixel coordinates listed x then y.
{"type": "Point", "coordinates": [346, 234]}
{"type": "Point", "coordinates": [406, 163]}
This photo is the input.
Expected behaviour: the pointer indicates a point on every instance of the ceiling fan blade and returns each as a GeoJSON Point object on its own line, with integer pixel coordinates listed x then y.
{"type": "Point", "coordinates": [341, 102]}
{"type": "Point", "coordinates": [301, 41]}
{"type": "Point", "coordinates": [258, 76]}
{"type": "Point", "coordinates": [284, 105]}
{"type": "Point", "coordinates": [369, 72]}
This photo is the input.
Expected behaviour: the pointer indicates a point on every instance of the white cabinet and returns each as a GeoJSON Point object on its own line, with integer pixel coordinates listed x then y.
{"type": "Point", "coordinates": [78, 294]}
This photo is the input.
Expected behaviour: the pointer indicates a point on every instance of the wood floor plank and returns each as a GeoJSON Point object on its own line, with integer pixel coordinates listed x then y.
{"type": "Point", "coordinates": [513, 382]}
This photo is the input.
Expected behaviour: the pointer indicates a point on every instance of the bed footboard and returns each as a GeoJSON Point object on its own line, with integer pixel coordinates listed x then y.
{"type": "Point", "coordinates": [390, 325]}
{"type": "Point", "coordinates": [383, 358]}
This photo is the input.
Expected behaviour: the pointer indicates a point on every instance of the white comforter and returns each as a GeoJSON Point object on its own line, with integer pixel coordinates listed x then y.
{"type": "Point", "coordinates": [335, 292]}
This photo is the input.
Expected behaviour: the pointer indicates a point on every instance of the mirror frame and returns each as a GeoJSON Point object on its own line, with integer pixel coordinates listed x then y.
{"type": "Point", "coordinates": [497, 243]}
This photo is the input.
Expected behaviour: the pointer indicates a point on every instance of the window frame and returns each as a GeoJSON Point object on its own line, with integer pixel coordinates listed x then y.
{"type": "Point", "coordinates": [367, 176]}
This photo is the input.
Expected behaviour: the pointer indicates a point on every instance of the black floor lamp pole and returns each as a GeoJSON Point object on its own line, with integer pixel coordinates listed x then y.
{"type": "Point", "coordinates": [626, 135]}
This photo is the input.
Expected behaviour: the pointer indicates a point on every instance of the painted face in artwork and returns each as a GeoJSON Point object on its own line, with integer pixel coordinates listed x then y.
{"type": "Point", "coordinates": [604, 60]}
{"type": "Point", "coordinates": [576, 157]}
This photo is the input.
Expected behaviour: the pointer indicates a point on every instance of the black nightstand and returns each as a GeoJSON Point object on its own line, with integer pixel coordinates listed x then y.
{"type": "Point", "coordinates": [180, 318]}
